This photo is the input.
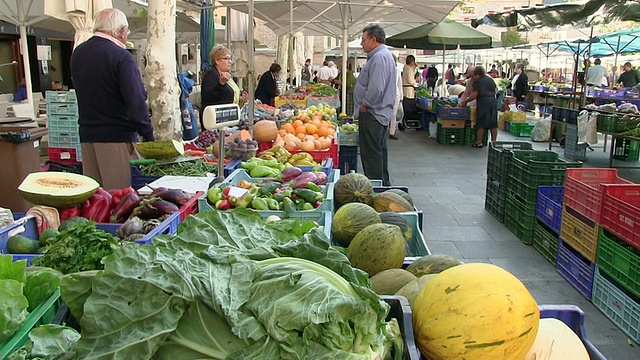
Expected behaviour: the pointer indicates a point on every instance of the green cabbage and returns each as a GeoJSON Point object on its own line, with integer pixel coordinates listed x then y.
{"type": "Point", "coordinates": [48, 342]}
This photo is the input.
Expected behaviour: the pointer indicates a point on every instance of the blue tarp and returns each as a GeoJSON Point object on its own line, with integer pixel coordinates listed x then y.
{"type": "Point", "coordinates": [619, 42]}
{"type": "Point", "coordinates": [207, 35]}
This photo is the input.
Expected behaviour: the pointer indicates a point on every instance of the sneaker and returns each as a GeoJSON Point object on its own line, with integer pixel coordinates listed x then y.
{"type": "Point", "coordinates": [394, 137]}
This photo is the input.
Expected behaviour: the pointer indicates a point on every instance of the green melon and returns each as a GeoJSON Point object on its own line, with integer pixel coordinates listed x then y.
{"type": "Point", "coordinates": [350, 219]}
{"type": "Point", "coordinates": [376, 248]}
{"type": "Point", "coordinates": [168, 149]}
{"type": "Point", "coordinates": [432, 264]}
{"type": "Point", "coordinates": [413, 288]}
{"type": "Point", "coordinates": [388, 282]}
{"type": "Point", "coordinates": [71, 222]}
{"type": "Point", "coordinates": [57, 189]}
{"type": "Point", "coordinates": [397, 219]}
{"type": "Point", "coordinates": [19, 244]}
{"type": "Point", "coordinates": [353, 187]}
{"type": "Point", "coordinates": [404, 194]}
{"type": "Point", "coordinates": [48, 236]}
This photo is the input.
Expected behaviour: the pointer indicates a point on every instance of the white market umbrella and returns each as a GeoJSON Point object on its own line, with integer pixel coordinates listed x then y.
{"type": "Point", "coordinates": [80, 13]}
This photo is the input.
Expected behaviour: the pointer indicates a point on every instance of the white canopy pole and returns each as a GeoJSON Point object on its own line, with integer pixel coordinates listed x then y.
{"type": "Point", "coordinates": [251, 76]}
{"type": "Point", "coordinates": [343, 76]}
{"type": "Point", "coordinates": [444, 71]}
{"type": "Point", "coordinates": [291, 52]}
{"type": "Point", "coordinates": [24, 48]}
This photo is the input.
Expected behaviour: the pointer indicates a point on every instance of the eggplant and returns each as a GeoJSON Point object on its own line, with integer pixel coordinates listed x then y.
{"type": "Point", "coordinates": [301, 181]}
{"type": "Point", "coordinates": [290, 173]}
{"type": "Point", "coordinates": [134, 225]}
{"type": "Point", "coordinates": [158, 191]}
{"type": "Point", "coordinates": [321, 178]}
{"type": "Point", "coordinates": [125, 207]}
{"type": "Point", "coordinates": [176, 196]}
{"type": "Point", "coordinates": [154, 208]}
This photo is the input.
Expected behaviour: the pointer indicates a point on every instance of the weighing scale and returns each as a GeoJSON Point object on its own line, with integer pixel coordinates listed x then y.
{"type": "Point", "coordinates": [219, 117]}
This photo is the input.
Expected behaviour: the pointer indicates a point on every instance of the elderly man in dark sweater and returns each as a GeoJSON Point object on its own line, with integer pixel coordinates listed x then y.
{"type": "Point", "coordinates": [111, 101]}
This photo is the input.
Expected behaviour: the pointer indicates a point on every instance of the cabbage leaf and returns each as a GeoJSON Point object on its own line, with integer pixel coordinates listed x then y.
{"type": "Point", "coordinates": [13, 308]}
{"type": "Point", "coordinates": [48, 342]}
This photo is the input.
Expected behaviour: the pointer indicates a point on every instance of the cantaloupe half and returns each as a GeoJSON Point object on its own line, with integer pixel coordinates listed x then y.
{"type": "Point", "coordinates": [57, 189]}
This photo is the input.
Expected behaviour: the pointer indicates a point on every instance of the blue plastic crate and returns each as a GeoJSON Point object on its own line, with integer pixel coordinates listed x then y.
{"type": "Point", "coordinates": [573, 317]}
{"type": "Point", "coordinates": [168, 227]}
{"type": "Point", "coordinates": [616, 304]}
{"type": "Point", "coordinates": [576, 269]}
{"type": "Point", "coordinates": [453, 113]}
{"type": "Point", "coordinates": [549, 206]}
{"type": "Point", "coordinates": [70, 139]}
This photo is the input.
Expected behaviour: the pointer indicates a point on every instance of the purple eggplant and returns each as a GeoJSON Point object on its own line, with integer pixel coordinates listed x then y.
{"type": "Point", "coordinates": [300, 182]}
{"type": "Point", "coordinates": [158, 191]}
{"type": "Point", "coordinates": [125, 207]}
{"type": "Point", "coordinates": [154, 208]}
{"type": "Point", "coordinates": [290, 173]}
{"type": "Point", "coordinates": [321, 178]}
{"type": "Point", "coordinates": [176, 196]}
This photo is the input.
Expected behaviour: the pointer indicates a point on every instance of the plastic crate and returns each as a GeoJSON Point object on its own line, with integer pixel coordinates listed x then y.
{"type": "Point", "coordinates": [549, 206]}
{"type": "Point", "coordinates": [626, 149]}
{"type": "Point", "coordinates": [521, 217]}
{"type": "Point", "coordinates": [70, 168]}
{"type": "Point", "coordinates": [495, 199]}
{"type": "Point", "coordinates": [546, 242]}
{"type": "Point", "coordinates": [62, 109]}
{"type": "Point", "coordinates": [61, 96]}
{"type": "Point", "coordinates": [573, 150]}
{"type": "Point", "coordinates": [569, 116]}
{"type": "Point", "coordinates": [583, 192]}
{"type": "Point", "coordinates": [43, 314]}
{"type": "Point", "coordinates": [615, 124]}
{"type": "Point", "coordinates": [168, 227]}
{"type": "Point", "coordinates": [471, 136]}
{"type": "Point", "coordinates": [401, 311]}
{"type": "Point", "coordinates": [499, 159]}
{"type": "Point", "coordinates": [530, 169]}
{"type": "Point", "coordinates": [318, 155]}
{"type": "Point", "coordinates": [25, 226]}
{"type": "Point", "coordinates": [580, 232]}
{"type": "Point", "coordinates": [314, 101]}
{"type": "Point", "coordinates": [573, 317]}
{"type": "Point", "coordinates": [138, 180]}
{"type": "Point", "coordinates": [301, 104]}
{"type": "Point", "coordinates": [422, 102]}
{"type": "Point", "coordinates": [453, 113]}
{"type": "Point", "coordinates": [619, 260]}
{"type": "Point", "coordinates": [380, 188]}
{"type": "Point", "coordinates": [449, 136]}
{"type": "Point", "coordinates": [191, 207]}
{"type": "Point", "coordinates": [348, 138]}
{"type": "Point", "coordinates": [67, 156]}
{"type": "Point", "coordinates": [620, 307]}
{"type": "Point", "coordinates": [620, 212]}
{"type": "Point", "coordinates": [520, 129]}
{"type": "Point", "coordinates": [576, 269]}
{"type": "Point", "coordinates": [348, 159]}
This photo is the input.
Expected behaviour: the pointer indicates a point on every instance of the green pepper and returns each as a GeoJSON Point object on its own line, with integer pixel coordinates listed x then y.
{"type": "Point", "coordinates": [248, 165]}
{"type": "Point", "coordinates": [269, 188]}
{"type": "Point", "coordinates": [287, 193]}
{"type": "Point", "coordinates": [246, 198]}
{"type": "Point", "coordinates": [273, 204]}
{"type": "Point", "coordinates": [289, 207]}
{"type": "Point", "coordinates": [278, 197]}
{"type": "Point", "coordinates": [313, 186]}
{"type": "Point", "coordinates": [308, 195]}
{"type": "Point", "coordinates": [259, 204]}
{"type": "Point", "coordinates": [307, 206]}
{"type": "Point", "coordinates": [264, 171]}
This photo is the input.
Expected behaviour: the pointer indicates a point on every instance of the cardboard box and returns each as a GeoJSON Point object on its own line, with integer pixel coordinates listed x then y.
{"type": "Point", "coordinates": [453, 124]}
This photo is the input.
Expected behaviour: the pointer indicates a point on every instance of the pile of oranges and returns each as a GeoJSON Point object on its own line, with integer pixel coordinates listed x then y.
{"type": "Point", "coordinates": [306, 133]}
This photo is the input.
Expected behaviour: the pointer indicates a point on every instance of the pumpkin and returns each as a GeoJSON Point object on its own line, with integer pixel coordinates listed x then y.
{"type": "Point", "coordinates": [265, 130]}
{"type": "Point", "coordinates": [556, 341]}
{"type": "Point", "coordinates": [475, 311]}
{"type": "Point", "coordinates": [350, 219]}
{"type": "Point", "coordinates": [353, 187]}
{"type": "Point", "coordinates": [388, 201]}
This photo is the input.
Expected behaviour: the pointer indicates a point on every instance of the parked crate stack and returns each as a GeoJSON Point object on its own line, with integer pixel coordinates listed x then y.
{"type": "Point", "coordinates": [546, 232]}
{"type": "Point", "coordinates": [581, 219]}
{"type": "Point", "coordinates": [498, 161]}
{"type": "Point", "coordinates": [616, 285]}
{"type": "Point", "coordinates": [528, 170]}
{"type": "Point", "coordinates": [348, 152]}
{"type": "Point", "coordinates": [572, 149]}
{"type": "Point", "coordinates": [451, 125]}
{"type": "Point", "coordinates": [64, 134]}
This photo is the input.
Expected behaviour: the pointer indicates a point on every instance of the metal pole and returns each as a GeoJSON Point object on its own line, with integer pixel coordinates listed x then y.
{"type": "Point", "coordinates": [291, 54]}
{"type": "Point", "coordinates": [343, 76]}
{"type": "Point", "coordinates": [251, 76]}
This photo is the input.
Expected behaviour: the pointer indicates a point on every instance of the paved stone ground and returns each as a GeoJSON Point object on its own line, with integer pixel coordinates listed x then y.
{"type": "Point", "coordinates": [448, 183]}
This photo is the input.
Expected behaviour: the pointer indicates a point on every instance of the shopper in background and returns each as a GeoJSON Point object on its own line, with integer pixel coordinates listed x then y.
{"type": "Point", "coordinates": [484, 92]}
{"type": "Point", "coordinates": [334, 70]}
{"type": "Point", "coordinates": [324, 73]}
{"type": "Point", "coordinates": [494, 73]}
{"type": "Point", "coordinates": [216, 87]}
{"type": "Point", "coordinates": [374, 97]}
{"type": "Point", "coordinates": [393, 123]}
{"type": "Point", "coordinates": [409, 82]}
{"type": "Point", "coordinates": [630, 77]}
{"type": "Point", "coordinates": [597, 75]}
{"type": "Point", "coordinates": [350, 84]}
{"type": "Point", "coordinates": [306, 72]}
{"type": "Point", "coordinates": [520, 83]}
{"type": "Point", "coordinates": [450, 75]}
{"type": "Point", "coordinates": [432, 77]}
{"type": "Point", "coordinates": [111, 101]}
{"type": "Point", "coordinates": [267, 89]}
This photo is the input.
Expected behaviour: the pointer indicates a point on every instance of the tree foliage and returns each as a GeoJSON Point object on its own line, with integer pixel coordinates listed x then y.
{"type": "Point", "coordinates": [512, 38]}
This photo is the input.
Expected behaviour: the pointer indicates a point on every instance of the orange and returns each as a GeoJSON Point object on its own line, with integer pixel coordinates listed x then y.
{"type": "Point", "coordinates": [316, 118]}
{"type": "Point", "coordinates": [317, 123]}
{"type": "Point", "coordinates": [316, 136]}
{"type": "Point", "coordinates": [311, 129]}
{"type": "Point", "coordinates": [282, 132]}
{"type": "Point", "coordinates": [323, 131]}
{"type": "Point", "coordinates": [297, 124]}
{"type": "Point", "coordinates": [288, 128]}
{"type": "Point", "coordinates": [303, 117]}
{"type": "Point", "coordinates": [301, 136]}
{"type": "Point", "coordinates": [301, 130]}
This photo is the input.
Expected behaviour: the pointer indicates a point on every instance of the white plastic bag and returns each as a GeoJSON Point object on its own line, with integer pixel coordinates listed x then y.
{"type": "Point", "coordinates": [541, 130]}
{"type": "Point", "coordinates": [433, 130]}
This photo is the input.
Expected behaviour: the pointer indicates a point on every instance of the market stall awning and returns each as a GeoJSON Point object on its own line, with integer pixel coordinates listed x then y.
{"type": "Point", "coordinates": [582, 14]}
{"type": "Point", "coordinates": [447, 34]}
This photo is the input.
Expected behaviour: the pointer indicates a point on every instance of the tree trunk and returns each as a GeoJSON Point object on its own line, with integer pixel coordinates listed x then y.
{"type": "Point", "coordinates": [160, 70]}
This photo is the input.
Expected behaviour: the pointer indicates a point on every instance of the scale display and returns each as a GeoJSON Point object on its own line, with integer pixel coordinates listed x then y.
{"type": "Point", "coordinates": [215, 114]}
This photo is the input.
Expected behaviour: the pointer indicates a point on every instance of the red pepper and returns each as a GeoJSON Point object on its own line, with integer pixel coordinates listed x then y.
{"type": "Point", "coordinates": [104, 193]}
{"type": "Point", "coordinates": [97, 208]}
{"type": "Point", "coordinates": [317, 204]}
{"type": "Point", "coordinates": [69, 213]}
{"type": "Point", "coordinates": [226, 190]}
{"type": "Point", "coordinates": [129, 190]}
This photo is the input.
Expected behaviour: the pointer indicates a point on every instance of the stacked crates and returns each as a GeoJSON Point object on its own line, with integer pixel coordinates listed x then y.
{"type": "Point", "coordinates": [581, 225]}
{"type": "Point", "coordinates": [64, 133]}
{"type": "Point", "coordinates": [572, 149]}
{"type": "Point", "coordinates": [616, 288]}
{"type": "Point", "coordinates": [451, 125]}
{"type": "Point", "coordinates": [546, 231]}
{"type": "Point", "coordinates": [528, 170]}
{"type": "Point", "coordinates": [498, 161]}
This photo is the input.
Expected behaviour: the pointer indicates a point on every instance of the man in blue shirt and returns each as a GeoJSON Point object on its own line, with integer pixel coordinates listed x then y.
{"type": "Point", "coordinates": [374, 97]}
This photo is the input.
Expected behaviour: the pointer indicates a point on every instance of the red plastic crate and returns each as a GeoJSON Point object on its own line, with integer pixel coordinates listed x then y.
{"type": "Point", "coordinates": [191, 207]}
{"type": "Point", "coordinates": [66, 156]}
{"type": "Point", "coordinates": [583, 192]}
{"type": "Point", "coordinates": [621, 212]}
{"type": "Point", "coordinates": [318, 155]}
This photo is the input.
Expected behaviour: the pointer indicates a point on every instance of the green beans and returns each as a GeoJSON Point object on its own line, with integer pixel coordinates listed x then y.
{"type": "Point", "coordinates": [185, 168]}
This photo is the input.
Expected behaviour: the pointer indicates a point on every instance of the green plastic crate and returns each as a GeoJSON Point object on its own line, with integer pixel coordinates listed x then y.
{"type": "Point", "coordinates": [520, 218]}
{"type": "Point", "coordinates": [471, 136]}
{"type": "Point", "coordinates": [615, 124]}
{"type": "Point", "coordinates": [499, 158]}
{"type": "Point", "coordinates": [43, 314]}
{"type": "Point", "coordinates": [619, 260]}
{"type": "Point", "coordinates": [546, 242]}
{"type": "Point", "coordinates": [521, 129]}
{"type": "Point", "coordinates": [626, 150]}
{"type": "Point", "coordinates": [449, 136]}
{"type": "Point", "coordinates": [495, 198]}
